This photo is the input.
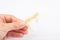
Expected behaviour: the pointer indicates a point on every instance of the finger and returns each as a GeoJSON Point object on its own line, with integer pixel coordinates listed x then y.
{"type": "Point", "coordinates": [19, 31]}
{"type": "Point", "coordinates": [23, 29]}
{"type": "Point", "coordinates": [21, 22]}
{"type": "Point", "coordinates": [7, 18]}
{"type": "Point", "coordinates": [14, 34]}
{"type": "Point", "coordinates": [10, 18]}
{"type": "Point", "coordinates": [18, 25]}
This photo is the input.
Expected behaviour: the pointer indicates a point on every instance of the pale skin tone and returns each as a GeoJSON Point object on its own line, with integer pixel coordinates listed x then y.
{"type": "Point", "coordinates": [12, 26]}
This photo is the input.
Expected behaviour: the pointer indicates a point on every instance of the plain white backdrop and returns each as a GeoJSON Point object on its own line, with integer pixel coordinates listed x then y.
{"type": "Point", "coordinates": [45, 27]}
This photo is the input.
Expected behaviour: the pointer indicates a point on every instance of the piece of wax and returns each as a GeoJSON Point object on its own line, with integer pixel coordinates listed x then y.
{"type": "Point", "coordinates": [30, 18]}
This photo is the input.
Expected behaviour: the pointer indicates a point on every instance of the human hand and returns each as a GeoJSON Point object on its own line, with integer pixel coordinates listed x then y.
{"type": "Point", "coordinates": [13, 26]}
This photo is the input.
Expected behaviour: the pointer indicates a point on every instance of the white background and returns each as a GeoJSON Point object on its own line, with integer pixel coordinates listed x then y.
{"type": "Point", "coordinates": [47, 24]}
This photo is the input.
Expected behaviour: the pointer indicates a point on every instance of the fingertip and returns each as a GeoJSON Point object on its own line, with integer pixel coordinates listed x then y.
{"type": "Point", "coordinates": [24, 28]}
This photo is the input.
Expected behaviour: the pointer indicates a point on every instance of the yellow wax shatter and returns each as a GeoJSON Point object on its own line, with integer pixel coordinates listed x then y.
{"type": "Point", "coordinates": [30, 18]}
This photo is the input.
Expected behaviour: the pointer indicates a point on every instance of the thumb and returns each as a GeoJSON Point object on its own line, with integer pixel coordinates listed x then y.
{"type": "Point", "coordinates": [15, 25]}
{"type": "Point", "coordinates": [18, 25]}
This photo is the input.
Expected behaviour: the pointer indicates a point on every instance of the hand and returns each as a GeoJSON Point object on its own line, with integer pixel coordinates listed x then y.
{"type": "Point", "coordinates": [13, 26]}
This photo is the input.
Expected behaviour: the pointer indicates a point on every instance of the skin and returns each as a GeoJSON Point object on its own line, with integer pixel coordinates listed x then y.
{"type": "Point", "coordinates": [13, 26]}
